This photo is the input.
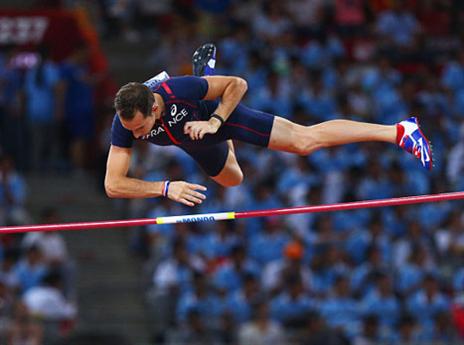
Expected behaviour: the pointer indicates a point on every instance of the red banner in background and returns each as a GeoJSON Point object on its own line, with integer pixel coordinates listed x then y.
{"type": "Point", "coordinates": [57, 29]}
{"type": "Point", "coordinates": [62, 31]}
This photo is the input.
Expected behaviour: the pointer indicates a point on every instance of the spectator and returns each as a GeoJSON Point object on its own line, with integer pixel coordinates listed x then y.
{"type": "Point", "coordinates": [241, 302]}
{"type": "Point", "coordinates": [195, 331]}
{"type": "Point", "coordinates": [442, 331]}
{"type": "Point", "coordinates": [398, 26]}
{"type": "Point", "coordinates": [453, 73]}
{"type": "Point", "coordinates": [382, 302]}
{"type": "Point", "coordinates": [319, 333]}
{"type": "Point", "coordinates": [362, 278]}
{"type": "Point", "coordinates": [44, 110]}
{"type": "Point", "coordinates": [13, 193]}
{"type": "Point", "coordinates": [47, 301]}
{"type": "Point", "coordinates": [79, 119]}
{"type": "Point", "coordinates": [175, 274]}
{"type": "Point", "coordinates": [261, 330]}
{"type": "Point", "coordinates": [455, 165]}
{"type": "Point", "coordinates": [31, 269]}
{"type": "Point", "coordinates": [51, 244]}
{"type": "Point", "coordinates": [428, 302]}
{"type": "Point", "coordinates": [200, 299]}
{"type": "Point", "coordinates": [230, 274]}
{"type": "Point", "coordinates": [269, 244]}
{"type": "Point", "coordinates": [408, 331]}
{"type": "Point", "coordinates": [276, 272]}
{"type": "Point", "coordinates": [370, 333]}
{"type": "Point", "coordinates": [292, 305]}
{"type": "Point", "coordinates": [339, 309]}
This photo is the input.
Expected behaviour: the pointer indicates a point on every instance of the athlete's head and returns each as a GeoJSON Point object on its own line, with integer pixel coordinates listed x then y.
{"type": "Point", "coordinates": [131, 98]}
{"type": "Point", "coordinates": [135, 105]}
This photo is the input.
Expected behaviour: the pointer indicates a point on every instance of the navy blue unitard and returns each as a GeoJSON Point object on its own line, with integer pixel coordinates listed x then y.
{"type": "Point", "coordinates": [183, 99]}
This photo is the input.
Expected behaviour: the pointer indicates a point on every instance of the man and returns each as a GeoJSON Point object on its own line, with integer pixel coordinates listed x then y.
{"type": "Point", "coordinates": [202, 114]}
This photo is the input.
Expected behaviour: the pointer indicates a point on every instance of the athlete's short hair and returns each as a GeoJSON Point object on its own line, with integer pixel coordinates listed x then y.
{"type": "Point", "coordinates": [132, 97]}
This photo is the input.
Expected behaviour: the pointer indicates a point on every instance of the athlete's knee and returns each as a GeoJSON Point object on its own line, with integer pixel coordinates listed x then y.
{"type": "Point", "coordinates": [303, 141]}
{"type": "Point", "coordinates": [232, 179]}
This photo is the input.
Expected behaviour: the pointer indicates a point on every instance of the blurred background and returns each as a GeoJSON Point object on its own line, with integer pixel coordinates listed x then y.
{"type": "Point", "coordinates": [383, 276]}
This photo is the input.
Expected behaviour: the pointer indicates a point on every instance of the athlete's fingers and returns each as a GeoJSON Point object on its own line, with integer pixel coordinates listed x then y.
{"type": "Point", "coordinates": [198, 136]}
{"type": "Point", "coordinates": [197, 132]}
{"type": "Point", "coordinates": [192, 198]}
{"type": "Point", "coordinates": [197, 187]}
{"type": "Point", "coordinates": [202, 133]}
{"type": "Point", "coordinates": [187, 127]}
{"type": "Point", "coordinates": [198, 195]}
{"type": "Point", "coordinates": [193, 134]}
{"type": "Point", "coordinates": [186, 202]}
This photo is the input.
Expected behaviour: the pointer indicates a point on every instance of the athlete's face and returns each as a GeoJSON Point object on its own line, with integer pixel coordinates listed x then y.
{"type": "Point", "coordinates": [140, 125]}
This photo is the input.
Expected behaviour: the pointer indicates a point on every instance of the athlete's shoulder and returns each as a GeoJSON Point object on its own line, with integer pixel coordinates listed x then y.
{"type": "Point", "coordinates": [120, 136]}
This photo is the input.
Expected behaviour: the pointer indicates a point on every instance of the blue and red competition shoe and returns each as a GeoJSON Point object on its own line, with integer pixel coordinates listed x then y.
{"type": "Point", "coordinates": [411, 139]}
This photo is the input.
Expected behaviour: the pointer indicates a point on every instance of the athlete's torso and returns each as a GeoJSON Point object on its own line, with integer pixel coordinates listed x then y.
{"type": "Point", "coordinates": [183, 102]}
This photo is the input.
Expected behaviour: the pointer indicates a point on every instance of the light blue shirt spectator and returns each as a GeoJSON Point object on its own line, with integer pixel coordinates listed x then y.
{"type": "Point", "coordinates": [30, 275]}
{"type": "Point", "coordinates": [229, 277]}
{"type": "Point", "coordinates": [341, 312]}
{"type": "Point", "coordinates": [453, 76]}
{"type": "Point", "coordinates": [239, 306]}
{"type": "Point", "coordinates": [424, 307]}
{"type": "Point", "coordinates": [286, 308]}
{"type": "Point", "coordinates": [458, 280]}
{"type": "Point", "coordinates": [386, 308]}
{"type": "Point", "coordinates": [400, 26]}
{"type": "Point", "coordinates": [207, 305]}
{"type": "Point", "coordinates": [268, 245]}
{"type": "Point", "coordinates": [409, 276]}
{"type": "Point", "coordinates": [40, 92]}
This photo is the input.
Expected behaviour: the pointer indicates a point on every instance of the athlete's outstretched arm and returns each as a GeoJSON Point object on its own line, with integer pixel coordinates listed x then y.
{"type": "Point", "coordinates": [119, 185]}
{"type": "Point", "coordinates": [230, 90]}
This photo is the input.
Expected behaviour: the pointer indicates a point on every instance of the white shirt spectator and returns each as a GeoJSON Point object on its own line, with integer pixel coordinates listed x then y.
{"type": "Point", "coordinates": [251, 334]}
{"type": "Point", "coordinates": [52, 245]}
{"type": "Point", "coordinates": [170, 274]}
{"type": "Point", "coordinates": [49, 303]}
{"type": "Point", "coordinates": [306, 13]}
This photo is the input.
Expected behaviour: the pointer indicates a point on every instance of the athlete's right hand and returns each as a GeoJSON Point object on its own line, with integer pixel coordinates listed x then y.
{"type": "Point", "coordinates": [186, 193]}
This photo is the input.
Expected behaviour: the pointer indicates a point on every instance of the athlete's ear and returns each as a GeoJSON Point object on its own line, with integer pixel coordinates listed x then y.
{"type": "Point", "coordinates": [154, 107]}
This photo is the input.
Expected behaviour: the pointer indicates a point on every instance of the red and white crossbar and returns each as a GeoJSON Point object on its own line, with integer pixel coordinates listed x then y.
{"type": "Point", "coordinates": [193, 218]}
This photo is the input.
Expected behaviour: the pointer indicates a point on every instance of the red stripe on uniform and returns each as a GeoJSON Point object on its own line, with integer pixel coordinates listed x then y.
{"type": "Point", "coordinates": [168, 90]}
{"type": "Point", "coordinates": [247, 129]}
{"type": "Point", "coordinates": [174, 140]}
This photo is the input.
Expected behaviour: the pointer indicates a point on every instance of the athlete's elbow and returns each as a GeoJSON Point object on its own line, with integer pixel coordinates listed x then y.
{"type": "Point", "coordinates": [242, 84]}
{"type": "Point", "coordinates": [111, 189]}
{"type": "Point", "coordinates": [110, 192]}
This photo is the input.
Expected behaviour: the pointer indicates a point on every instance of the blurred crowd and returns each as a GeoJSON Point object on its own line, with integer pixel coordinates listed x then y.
{"type": "Point", "coordinates": [37, 287]}
{"type": "Point", "coordinates": [392, 275]}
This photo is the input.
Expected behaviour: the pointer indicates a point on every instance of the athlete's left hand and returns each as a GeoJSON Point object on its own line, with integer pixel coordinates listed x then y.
{"type": "Point", "coordinates": [197, 129]}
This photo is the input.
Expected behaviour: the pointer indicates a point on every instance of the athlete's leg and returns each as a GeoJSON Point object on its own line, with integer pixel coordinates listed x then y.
{"type": "Point", "coordinates": [291, 137]}
{"type": "Point", "coordinates": [231, 174]}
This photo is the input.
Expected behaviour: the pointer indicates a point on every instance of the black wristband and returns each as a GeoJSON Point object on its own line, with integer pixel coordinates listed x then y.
{"type": "Point", "coordinates": [216, 116]}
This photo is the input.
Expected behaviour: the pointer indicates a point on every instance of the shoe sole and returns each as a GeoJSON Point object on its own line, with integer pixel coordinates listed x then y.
{"type": "Point", "coordinates": [201, 56]}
